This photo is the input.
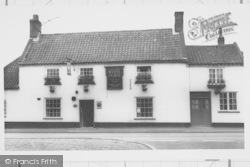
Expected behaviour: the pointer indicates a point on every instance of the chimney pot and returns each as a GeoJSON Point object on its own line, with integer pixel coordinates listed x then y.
{"type": "Point", "coordinates": [35, 17]}
{"type": "Point", "coordinates": [178, 21]}
{"type": "Point", "coordinates": [221, 39]}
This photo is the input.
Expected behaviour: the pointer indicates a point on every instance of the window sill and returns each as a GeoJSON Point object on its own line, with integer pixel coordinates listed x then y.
{"type": "Point", "coordinates": [228, 111]}
{"type": "Point", "coordinates": [51, 118]}
{"type": "Point", "coordinates": [144, 119]}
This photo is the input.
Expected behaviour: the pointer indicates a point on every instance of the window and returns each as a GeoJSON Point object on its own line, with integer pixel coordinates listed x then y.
{"type": "Point", "coordinates": [216, 75]}
{"type": "Point", "coordinates": [52, 77]}
{"type": "Point", "coordinates": [144, 69]}
{"type": "Point", "coordinates": [114, 77]}
{"type": "Point", "coordinates": [143, 75]}
{"type": "Point", "coordinates": [195, 104]}
{"type": "Point", "coordinates": [86, 72]}
{"type": "Point", "coordinates": [86, 76]}
{"type": "Point", "coordinates": [53, 107]}
{"type": "Point", "coordinates": [228, 101]}
{"type": "Point", "coordinates": [144, 107]}
{"type": "Point", "coordinates": [53, 73]}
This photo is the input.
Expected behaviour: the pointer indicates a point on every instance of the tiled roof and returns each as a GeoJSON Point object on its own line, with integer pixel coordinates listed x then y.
{"type": "Point", "coordinates": [229, 54]}
{"type": "Point", "coordinates": [11, 75]}
{"type": "Point", "coordinates": [159, 45]}
{"type": "Point", "coordinates": [140, 46]}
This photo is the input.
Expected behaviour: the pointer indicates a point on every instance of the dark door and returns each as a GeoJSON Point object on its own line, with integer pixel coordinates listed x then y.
{"type": "Point", "coordinates": [200, 109]}
{"type": "Point", "coordinates": [86, 113]}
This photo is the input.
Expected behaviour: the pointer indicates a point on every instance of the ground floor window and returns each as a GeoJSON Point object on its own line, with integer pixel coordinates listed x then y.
{"type": "Point", "coordinates": [53, 107]}
{"type": "Point", "coordinates": [144, 107]}
{"type": "Point", "coordinates": [228, 101]}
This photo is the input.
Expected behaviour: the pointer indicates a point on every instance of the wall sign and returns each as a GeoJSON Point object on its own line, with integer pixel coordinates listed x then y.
{"type": "Point", "coordinates": [209, 28]}
{"type": "Point", "coordinates": [99, 104]}
{"type": "Point", "coordinates": [114, 77]}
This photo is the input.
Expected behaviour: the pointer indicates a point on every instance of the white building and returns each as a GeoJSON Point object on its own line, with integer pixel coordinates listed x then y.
{"type": "Point", "coordinates": [123, 78]}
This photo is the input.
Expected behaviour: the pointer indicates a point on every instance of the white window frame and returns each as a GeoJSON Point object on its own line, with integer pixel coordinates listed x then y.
{"type": "Point", "coordinates": [54, 98]}
{"type": "Point", "coordinates": [137, 108]}
{"type": "Point", "coordinates": [229, 101]}
{"type": "Point", "coordinates": [53, 73]}
{"type": "Point", "coordinates": [86, 71]}
{"type": "Point", "coordinates": [216, 75]}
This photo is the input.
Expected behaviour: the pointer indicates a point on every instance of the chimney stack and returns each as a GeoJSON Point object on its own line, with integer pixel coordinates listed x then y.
{"type": "Point", "coordinates": [35, 27]}
{"type": "Point", "coordinates": [178, 21]}
{"type": "Point", "coordinates": [221, 39]}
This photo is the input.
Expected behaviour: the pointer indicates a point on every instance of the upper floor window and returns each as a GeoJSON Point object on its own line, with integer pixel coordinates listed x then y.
{"type": "Point", "coordinates": [52, 77]}
{"type": "Point", "coordinates": [216, 75]}
{"type": "Point", "coordinates": [53, 73]}
{"type": "Point", "coordinates": [86, 72]}
{"type": "Point", "coordinates": [114, 77]}
{"type": "Point", "coordinates": [228, 101]}
{"type": "Point", "coordinates": [86, 76]}
{"type": "Point", "coordinates": [144, 74]}
{"type": "Point", "coordinates": [53, 107]}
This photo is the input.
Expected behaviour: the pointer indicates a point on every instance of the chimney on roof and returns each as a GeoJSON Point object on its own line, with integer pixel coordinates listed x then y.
{"type": "Point", "coordinates": [178, 21]}
{"type": "Point", "coordinates": [221, 39]}
{"type": "Point", "coordinates": [35, 27]}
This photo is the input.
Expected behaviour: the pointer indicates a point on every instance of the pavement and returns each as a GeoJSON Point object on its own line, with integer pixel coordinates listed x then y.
{"type": "Point", "coordinates": [129, 130]}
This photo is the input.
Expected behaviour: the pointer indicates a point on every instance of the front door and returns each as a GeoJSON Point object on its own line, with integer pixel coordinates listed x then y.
{"type": "Point", "coordinates": [86, 113]}
{"type": "Point", "coordinates": [200, 109]}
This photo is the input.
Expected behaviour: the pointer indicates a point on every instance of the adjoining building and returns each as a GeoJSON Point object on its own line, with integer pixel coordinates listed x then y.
{"type": "Point", "coordinates": [123, 78]}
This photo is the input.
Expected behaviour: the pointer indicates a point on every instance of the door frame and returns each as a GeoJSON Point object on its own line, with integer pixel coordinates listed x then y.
{"type": "Point", "coordinates": [81, 120]}
{"type": "Point", "coordinates": [208, 95]}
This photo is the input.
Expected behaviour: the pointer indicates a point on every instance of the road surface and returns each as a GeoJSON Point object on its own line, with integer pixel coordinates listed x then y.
{"type": "Point", "coordinates": [153, 140]}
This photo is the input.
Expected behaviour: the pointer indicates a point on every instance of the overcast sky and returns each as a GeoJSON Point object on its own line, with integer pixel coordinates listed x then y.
{"type": "Point", "coordinates": [14, 23]}
{"type": "Point", "coordinates": [14, 26]}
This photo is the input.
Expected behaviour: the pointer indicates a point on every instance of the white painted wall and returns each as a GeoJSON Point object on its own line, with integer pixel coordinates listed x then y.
{"type": "Point", "coordinates": [199, 77]}
{"type": "Point", "coordinates": [170, 92]}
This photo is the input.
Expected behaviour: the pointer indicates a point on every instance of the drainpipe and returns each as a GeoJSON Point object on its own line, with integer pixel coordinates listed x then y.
{"type": "Point", "coordinates": [229, 163]}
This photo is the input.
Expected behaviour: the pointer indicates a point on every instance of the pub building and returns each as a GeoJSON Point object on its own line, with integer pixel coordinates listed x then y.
{"type": "Point", "coordinates": [123, 78]}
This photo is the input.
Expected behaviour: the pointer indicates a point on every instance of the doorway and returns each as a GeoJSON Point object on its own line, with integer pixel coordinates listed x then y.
{"type": "Point", "coordinates": [86, 113]}
{"type": "Point", "coordinates": [200, 108]}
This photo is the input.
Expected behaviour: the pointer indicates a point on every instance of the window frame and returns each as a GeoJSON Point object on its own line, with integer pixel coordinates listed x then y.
{"type": "Point", "coordinates": [216, 75]}
{"type": "Point", "coordinates": [56, 72]}
{"type": "Point", "coordinates": [86, 73]}
{"type": "Point", "coordinates": [136, 108]}
{"type": "Point", "coordinates": [60, 108]}
{"type": "Point", "coordinates": [229, 101]}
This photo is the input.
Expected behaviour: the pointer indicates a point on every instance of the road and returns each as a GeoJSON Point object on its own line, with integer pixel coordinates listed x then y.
{"type": "Point", "coordinates": [154, 140]}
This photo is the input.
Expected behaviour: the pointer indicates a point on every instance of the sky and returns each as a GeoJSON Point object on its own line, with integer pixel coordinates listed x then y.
{"type": "Point", "coordinates": [14, 35]}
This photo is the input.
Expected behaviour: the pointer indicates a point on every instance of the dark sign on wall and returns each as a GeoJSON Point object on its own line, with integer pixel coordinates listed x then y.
{"type": "Point", "coordinates": [114, 77]}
